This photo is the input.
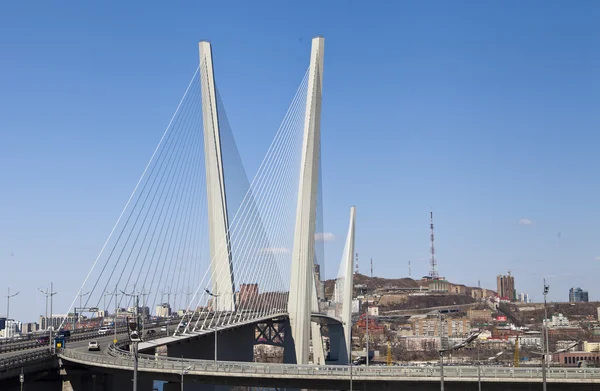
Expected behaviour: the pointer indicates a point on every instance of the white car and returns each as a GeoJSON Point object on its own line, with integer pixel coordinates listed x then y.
{"type": "Point", "coordinates": [93, 345]}
{"type": "Point", "coordinates": [163, 328]}
{"type": "Point", "coordinates": [104, 330]}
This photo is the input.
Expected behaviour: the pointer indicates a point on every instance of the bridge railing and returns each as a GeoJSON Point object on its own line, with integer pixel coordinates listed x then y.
{"type": "Point", "coordinates": [122, 358]}
{"type": "Point", "coordinates": [25, 358]}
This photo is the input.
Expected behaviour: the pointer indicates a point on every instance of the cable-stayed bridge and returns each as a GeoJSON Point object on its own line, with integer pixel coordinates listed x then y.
{"type": "Point", "coordinates": [234, 254]}
{"type": "Point", "coordinates": [242, 258]}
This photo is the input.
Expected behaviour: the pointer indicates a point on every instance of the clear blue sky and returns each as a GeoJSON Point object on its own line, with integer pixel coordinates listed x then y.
{"type": "Point", "coordinates": [485, 112]}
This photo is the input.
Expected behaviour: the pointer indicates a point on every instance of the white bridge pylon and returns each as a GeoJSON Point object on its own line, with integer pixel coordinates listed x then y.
{"type": "Point", "coordinates": [221, 265]}
{"type": "Point", "coordinates": [303, 292]}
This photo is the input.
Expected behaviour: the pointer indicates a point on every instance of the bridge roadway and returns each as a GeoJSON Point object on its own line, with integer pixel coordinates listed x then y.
{"type": "Point", "coordinates": [114, 360]}
{"type": "Point", "coordinates": [332, 376]}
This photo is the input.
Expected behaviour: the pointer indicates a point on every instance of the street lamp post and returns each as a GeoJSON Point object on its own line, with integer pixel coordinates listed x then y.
{"type": "Point", "coordinates": [441, 352]}
{"type": "Point", "coordinates": [81, 296]}
{"type": "Point", "coordinates": [8, 297]}
{"type": "Point", "coordinates": [52, 293]}
{"type": "Point", "coordinates": [478, 368]}
{"type": "Point", "coordinates": [48, 293]}
{"type": "Point", "coordinates": [183, 372]}
{"type": "Point", "coordinates": [454, 347]}
{"type": "Point", "coordinates": [134, 343]}
{"type": "Point", "coordinates": [216, 328]}
{"type": "Point", "coordinates": [116, 313]}
{"type": "Point", "coordinates": [545, 336]}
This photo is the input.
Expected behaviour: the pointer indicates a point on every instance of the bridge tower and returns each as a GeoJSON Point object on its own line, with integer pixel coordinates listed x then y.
{"type": "Point", "coordinates": [218, 222]}
{"type": "Point", "coordinates": [302, 283]}
{"type": "Point", "coordinates": [348, 284]}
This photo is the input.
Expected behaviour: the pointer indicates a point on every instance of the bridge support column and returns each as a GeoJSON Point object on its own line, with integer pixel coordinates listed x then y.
{"type": "Point", "coordinates": [338, 353]}
{"type": "Point", "coordinates": [218, 222]}
{"type": "Point", "coordinates": [302, 286]}
{"type": "Point", "coordinates": [235, 344]}
{"type": "Point", "coordinates": [83, 380]}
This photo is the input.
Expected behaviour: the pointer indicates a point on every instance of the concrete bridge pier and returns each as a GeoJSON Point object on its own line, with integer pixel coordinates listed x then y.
{"type": "Point", "coordinates": [83, 380]}
{"type": "Point", "coordinates": [338, 355]}
{"type": "Point", "coordinates": [190, 386]}
{"type": "Point", "coordinates": [235, 344]}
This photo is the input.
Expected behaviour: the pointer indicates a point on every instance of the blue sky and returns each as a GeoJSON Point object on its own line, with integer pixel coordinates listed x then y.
{"type": "Point", "coordinates": [484, 112]}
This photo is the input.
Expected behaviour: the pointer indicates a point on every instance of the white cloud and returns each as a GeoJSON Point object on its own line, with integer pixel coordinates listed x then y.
{"type": "Point", "coordinates": [597, 258]}
{"type": "Point", "coordinates": [525, 222]}
{"type": "Point", "coordinates": [275, 250]}
{"type": "Point", "coordinates": [324, 236]}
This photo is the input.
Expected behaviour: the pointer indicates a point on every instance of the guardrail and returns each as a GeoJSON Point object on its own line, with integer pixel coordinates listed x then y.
{"type": "Point", "coordinates": [121, 358]}
{"type": "Point", "coordinates": [21, 359]}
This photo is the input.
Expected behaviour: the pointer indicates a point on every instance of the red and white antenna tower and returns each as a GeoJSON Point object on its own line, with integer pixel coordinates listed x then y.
{"type": "Point", "coordinates": [433, 272]}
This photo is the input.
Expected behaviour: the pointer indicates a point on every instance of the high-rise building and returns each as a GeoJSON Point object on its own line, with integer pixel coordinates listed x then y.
{"type": "Point", "coordinates": [523, 297]}
{"type": "Point", "coordinates": [506, 287]}
{"type": "Point", "coordinates": [578, 295]}
{"type": "Point", "coordinates": [163, 310]}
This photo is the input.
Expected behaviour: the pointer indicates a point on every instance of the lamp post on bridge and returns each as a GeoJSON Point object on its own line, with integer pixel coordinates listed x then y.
{"type": "Point", "coordinates": [51, 328]}
{"type": "Point", "coordinates": [8, 297]}
{"type": "Point", "coordinates": [78, 315]}
{"type": "Point", "coordinates": [134, 336]}
{"type": "Point", "coordinates": [545, 336]}
{"type": "Point", "coordinates": [452, 348]}
{"type": "Point", "coordinates": [183, 371]}
{"type": "Point", "coordinates": [216, 329]}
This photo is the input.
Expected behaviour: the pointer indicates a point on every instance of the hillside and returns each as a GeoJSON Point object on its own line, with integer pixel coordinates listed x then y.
{"type": "Point", "coordinates": [401, 301]}
{"type": "Point", "coordinates": [534, 313]}
{"type": "Point", "coordinates": [374, 283]}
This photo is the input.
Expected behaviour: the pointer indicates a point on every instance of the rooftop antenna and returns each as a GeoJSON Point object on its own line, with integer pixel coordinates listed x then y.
{"type": "Point", "coordinates": [371, 267]}
{"type": "Point", "coordinates": [356, 265]}
{"type": "Point", "coordinates": [433, 273]}
{"type": "Point", "coordinates": [409, 273]}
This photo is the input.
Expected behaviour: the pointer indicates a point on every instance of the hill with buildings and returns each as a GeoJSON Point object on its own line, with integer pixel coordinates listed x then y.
{"type": "Point", "coordinates": [406, 293]}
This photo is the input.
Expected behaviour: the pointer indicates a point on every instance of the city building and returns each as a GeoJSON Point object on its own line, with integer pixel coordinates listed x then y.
{"type": "Point", "coordinates": [557, 321]}
{"type": "Point", "coordinates": [355, 307]}
{"type": "Point", "coordinates": [591, 347]}
{"type": "Point", "coordinates": [578, 295]}
{"type": "Point", "coordinates": [3, 320]}
{"type": "Point", "coordinates": [429, 326]}
{"type": "Point", "coordinates": [571, 359]}
{"type": "Point", "coordinates": [480, 315]}
{"type": "Point", "coordinates": [248, 293]}
{"type": "Point", "coordinates": [29, 328]}
{"type": "Point", "coordinates": [373, 311]}
{"type": "Point", "coordinates": [11, 328]}
{"type": "Point", "coordinates": [506, 287]}
{"type": "Point", "coordinates": [56, 321]}
{"type": "Point", "coordinates": [163, 310]}
{"type": "Point", "coordinates": [438, 286]}
{"type": "Point", "coordinates": [523, 297]}
{"type": "Point", "coordinates": [457, 289]}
